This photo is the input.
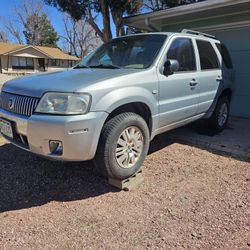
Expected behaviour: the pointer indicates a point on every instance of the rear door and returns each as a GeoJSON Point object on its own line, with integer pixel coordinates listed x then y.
{"type": "Point", "coordinates": [210, 74]}
{"type": "Point", "coordinates": [179, 93]}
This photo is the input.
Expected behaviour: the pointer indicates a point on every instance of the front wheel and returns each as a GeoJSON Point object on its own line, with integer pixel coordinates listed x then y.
{"type": "Point", "coordinates": [123, 146]}
{"type": "Point", "coordinates": [219, 119]}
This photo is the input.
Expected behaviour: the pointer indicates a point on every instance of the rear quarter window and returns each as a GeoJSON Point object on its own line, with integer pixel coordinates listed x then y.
{"type": "Point", "coordinates": [225, 55]}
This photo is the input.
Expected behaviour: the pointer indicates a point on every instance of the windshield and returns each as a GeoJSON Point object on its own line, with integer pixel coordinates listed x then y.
{"type": "Point", "coordinates": [136, 52]}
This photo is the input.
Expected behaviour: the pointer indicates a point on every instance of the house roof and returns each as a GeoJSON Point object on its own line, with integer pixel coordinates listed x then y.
{"type": "Point", "coordinates": [53, 53]}
{"type": "Point", "coordinates": [185, 15]}
{"type": "Point", "coordinates": [8, 47]}
{"type": "Point", "coordinates": [56, 53]}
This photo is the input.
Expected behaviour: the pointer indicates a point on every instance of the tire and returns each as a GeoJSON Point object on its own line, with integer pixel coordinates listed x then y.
{"type": "Point", "coordinates": [219, 119]}
{"type": "Point", "coordinates": [120, 160]}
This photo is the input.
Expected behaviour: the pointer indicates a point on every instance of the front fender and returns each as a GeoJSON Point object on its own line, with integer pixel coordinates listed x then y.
{"type": "Point", "coordinates": [122, 96]}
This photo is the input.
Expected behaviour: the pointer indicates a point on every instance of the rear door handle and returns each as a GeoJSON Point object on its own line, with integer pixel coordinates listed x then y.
{"type": "Point", "coordinates": [219, 78]}
{"type": "Point", "coordinates": [193, 82]}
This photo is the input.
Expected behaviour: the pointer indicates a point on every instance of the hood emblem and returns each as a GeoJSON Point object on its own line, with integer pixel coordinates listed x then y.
{"type": "Point", "coordinates": [12, 102]}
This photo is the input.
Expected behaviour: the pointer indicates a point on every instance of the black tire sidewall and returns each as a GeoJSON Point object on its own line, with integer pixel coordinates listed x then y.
{"type": "Point", "coordinates": [114, 169]}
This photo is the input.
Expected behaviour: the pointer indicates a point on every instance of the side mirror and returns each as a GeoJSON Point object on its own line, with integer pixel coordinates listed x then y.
{"type": "Point", "coordinates": [170, 66]}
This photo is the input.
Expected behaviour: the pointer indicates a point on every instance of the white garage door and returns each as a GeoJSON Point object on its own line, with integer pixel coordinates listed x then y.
{"type": "Point", "coordinates": [238, 44]}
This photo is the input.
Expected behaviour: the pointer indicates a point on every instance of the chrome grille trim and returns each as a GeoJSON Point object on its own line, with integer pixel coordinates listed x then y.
{"type": "Point", "coordinates": [23, 105]}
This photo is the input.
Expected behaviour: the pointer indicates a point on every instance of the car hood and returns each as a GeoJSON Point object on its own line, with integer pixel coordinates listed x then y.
{"type": "Point", "coordinates": [73, 80]}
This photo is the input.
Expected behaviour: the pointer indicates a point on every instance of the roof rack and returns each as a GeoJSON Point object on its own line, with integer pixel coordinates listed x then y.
{"type": "Point", "coordinates": [193, 32]}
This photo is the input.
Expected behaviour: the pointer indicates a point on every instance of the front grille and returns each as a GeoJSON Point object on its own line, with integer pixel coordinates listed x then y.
{"type": "Point", "coordinates": [18, 104]}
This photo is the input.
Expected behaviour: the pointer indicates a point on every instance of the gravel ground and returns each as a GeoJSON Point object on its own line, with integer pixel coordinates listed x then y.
{"type": "Point", "coordinates": [190, 199]}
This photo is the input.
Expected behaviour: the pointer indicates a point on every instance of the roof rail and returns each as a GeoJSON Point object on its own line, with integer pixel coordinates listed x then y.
{"type": "Point", "coordinates": [193, 32]}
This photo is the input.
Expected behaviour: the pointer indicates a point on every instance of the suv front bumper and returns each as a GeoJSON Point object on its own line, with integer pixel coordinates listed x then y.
{"type": "Point", "coordinates": [79, 134]}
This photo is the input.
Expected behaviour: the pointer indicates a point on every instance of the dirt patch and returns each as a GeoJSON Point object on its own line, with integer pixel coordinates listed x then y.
{"type": "Point", "coordinates": [190, 199]}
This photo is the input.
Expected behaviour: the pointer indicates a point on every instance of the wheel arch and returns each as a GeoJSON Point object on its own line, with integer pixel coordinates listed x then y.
{"type": "Point", "coordinates": [139, 108]}
{"type": "Point", "coordinates": [225, 92]}
{"type": "Point", "coordinates": [228, 93]}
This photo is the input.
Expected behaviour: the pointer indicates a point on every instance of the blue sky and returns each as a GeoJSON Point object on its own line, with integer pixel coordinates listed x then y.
{"type": "Point", "coordinates": [6, 12]}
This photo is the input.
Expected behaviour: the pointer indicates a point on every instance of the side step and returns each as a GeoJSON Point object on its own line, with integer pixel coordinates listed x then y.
{"type": "Point", "coordinates": [129, 183]}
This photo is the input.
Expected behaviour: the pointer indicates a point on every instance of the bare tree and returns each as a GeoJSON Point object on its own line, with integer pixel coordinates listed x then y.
{"type": "Point", "coordinates": [21, 12]}
{"type": "Point", "coordinates": [79, 38]}
{"type": "Point", "coordinates": [15, 31]}
{"type": "Point", "coordinates": [32, 23]}
{"type": "Point", "coordinates": [3, 37]}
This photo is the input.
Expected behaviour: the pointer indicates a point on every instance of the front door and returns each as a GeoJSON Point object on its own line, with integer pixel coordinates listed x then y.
{"type": "Point", "coordinates": [179, 93]}
{"type": "Point", "coordinates": [41, 64]}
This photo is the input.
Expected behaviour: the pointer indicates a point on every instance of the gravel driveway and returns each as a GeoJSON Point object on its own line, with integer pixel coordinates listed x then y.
{"type": "Point", "coordinates": [190, 199]}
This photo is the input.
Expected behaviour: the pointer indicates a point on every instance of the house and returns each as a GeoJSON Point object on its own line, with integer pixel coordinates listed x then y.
{"type": "Point", "coordinates": [25, 59]}
{"type": "Point", "coordinates": [228, 20]}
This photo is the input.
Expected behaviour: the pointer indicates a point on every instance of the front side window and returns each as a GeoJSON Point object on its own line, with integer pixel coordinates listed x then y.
{"type": "Point", "coordinates": [182, 50]}
{"type": "Point", "coordinates": [208, 57]}
{"type": "Point", "coordinates": [137, 51]}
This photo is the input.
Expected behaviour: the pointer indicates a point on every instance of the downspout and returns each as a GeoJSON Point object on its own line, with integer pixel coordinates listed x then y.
{"type": "Point", "coordinates": [150, 25]}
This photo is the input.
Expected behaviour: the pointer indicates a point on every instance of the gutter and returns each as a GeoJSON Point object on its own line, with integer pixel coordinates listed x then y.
{"type": "Point", "coordinates": [183, 9]}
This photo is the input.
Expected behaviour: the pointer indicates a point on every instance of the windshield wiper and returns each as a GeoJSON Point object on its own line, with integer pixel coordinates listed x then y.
{"type": "Point", "coordinates": [105, 66]}
{"type": "Point", "coordinates": [81, 67]}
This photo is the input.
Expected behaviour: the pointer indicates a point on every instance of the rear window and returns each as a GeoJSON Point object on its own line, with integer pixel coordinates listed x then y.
{"type": "Point", "coordinates": [225, 55]}
{"type": "Point", "coordinates": [208, 57]}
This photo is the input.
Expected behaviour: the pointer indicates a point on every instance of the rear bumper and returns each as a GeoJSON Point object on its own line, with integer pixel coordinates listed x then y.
{"type": "Point", "coordinates": [79, 134]}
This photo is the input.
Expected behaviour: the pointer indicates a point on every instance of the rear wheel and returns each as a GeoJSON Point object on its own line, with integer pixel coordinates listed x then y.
{"type": "Point", "coordinates": [219, 119]}
{"type": "Point", "coordinates": [123, 146]}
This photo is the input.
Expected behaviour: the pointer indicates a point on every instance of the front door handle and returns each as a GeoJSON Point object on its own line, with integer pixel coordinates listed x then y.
{"type": "Point", "coordinates": [193, 82]}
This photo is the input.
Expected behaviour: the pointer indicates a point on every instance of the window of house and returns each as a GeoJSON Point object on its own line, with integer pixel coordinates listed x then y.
{"type": "Point", "coordinates": [208, 57]}
{"type": "Point", "coordinates": [182, 50]}
{"type": "Point", "coordinates": [29, 62]}
{"type": "Point", "coordinates": [52, 62]}
{"type": "Point", "coordinates": [15, 61]}
{"type": "Point", "coordinates": [72, 63]}
{"type": "Point", "coordinates": [22, 62]}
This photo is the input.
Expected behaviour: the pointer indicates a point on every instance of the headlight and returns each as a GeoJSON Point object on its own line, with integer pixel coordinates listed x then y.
{"type": "Point", "coordinates": [64, 103]}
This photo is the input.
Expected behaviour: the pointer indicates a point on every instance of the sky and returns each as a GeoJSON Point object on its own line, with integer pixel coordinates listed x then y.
{"type": "Point", "coordinates": [7, 12]}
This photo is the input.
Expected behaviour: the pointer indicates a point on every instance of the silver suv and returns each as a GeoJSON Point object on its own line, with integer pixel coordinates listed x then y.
{"type": "Point", "coordinates": [116, 100]}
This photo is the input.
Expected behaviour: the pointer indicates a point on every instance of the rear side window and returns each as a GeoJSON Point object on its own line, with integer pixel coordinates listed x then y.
{"type": "Point", "coordinates": [208, 57]}
{"type": "Point", "coordinates": [182, 50]}
{"type": "Point", "coordinates": [225, 55]}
